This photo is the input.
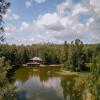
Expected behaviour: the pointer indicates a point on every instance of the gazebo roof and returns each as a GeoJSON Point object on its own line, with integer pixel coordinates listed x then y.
{"type": "Point", "coordinates": [36, 59]}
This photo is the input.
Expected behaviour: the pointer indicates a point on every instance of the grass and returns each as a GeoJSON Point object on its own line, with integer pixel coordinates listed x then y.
{"type": "Point", "coordinates": [80, 75]}
{"type": "Point", "coordinates": [64, 72]}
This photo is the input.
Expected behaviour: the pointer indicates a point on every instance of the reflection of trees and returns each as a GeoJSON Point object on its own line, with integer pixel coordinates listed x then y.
{"type": "Point", "coordinates": [23, 74]}
{"type": "Point", "coordinates": [94, 80]}
{"type": "Point", "coordinates": [67, 84]}
{"type": "Point", "coordinates": [43, 75]}
{"type": "Point", "coordinates": [70, 91]}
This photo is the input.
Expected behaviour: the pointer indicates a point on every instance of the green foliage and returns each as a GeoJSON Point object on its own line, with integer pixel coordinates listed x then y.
{"type": "Point", "coordinates": [81, 56]}
{"type": "Point", "coordinates": [94, 81]}
{"type": "Point", "coordinates": [76, 58]}
{"type": "Point", "coordinates": [4, 64]}
{"type": "Point", "coordinates": [50, 53]}
{"type": "Point", "coordinates": [66, 51]}
{"type": "Point", "coordinates": [68, 66]}
{"type": "Point", "coordinates": [75, 55]}
{"type": "Point", "coordinates": [5, 88]}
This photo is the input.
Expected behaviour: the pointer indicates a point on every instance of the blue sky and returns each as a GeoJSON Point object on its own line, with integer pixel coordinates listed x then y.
{"type": "Point", "coordinates": [40, 21]}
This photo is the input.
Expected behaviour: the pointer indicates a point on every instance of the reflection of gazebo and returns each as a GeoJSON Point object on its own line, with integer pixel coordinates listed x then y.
{"type": "Point", "coordinates": [34, 61]}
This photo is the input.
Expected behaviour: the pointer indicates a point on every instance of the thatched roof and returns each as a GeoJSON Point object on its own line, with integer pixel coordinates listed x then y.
{"type": "Point", "coordinates": [36, 59]}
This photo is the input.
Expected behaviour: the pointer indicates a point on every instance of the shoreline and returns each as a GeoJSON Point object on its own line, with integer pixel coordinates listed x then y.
{"type": "Point", "coordinates": [52, 65]}
{"type": "Point", "coordinates": [65, 72]}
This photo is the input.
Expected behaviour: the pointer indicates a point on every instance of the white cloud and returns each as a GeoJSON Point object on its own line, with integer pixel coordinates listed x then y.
{"type": "Point", "coordinates": [95, 5]}
{"type": "Point", "coordinates": [11, 16]}
{"type": "Point", "coordinates": [79, 9]}
{"type": "Point", "coordinates": [24, 26]}
{"type": "Point", "coordinates": [67, 27]}
{"type": "Point", "coordinates": [58, 26]}
{"type": "Point", "coordinates": [40, 1]}
{"type": "Point", "coordinates": [10, 28]}
{"type": "Point", "coordinates": [61, 7]}
{"type": "Point", "coordinates": [91, 20]}
{"type": "Point", "coordinates": [61, 27]}
{"type": "Point", "coordinates": [28, 3]}
{"type": "Point", "coordinates": [46, 19]}
{"type": "Point", "coordinates": [95, 29]}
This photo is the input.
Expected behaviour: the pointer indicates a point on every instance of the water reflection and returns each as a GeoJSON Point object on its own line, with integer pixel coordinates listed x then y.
{"type": "Point", "coordinates": [67, 85]}
{"type": "Point", "coordinates": [44, 84]}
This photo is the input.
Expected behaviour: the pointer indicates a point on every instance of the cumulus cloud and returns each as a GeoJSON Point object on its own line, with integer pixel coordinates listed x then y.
{"type": "Point", "coordinates": [62, 6]}
{"type": "Point", "coordinates": [11, 16]}
{"type": "Point", "coordinates": [61, 28]}
{"type": "Point", "coordinates": [24, 26]}
{"type": "Point", "coordinates": [10, 28]}
{"type": "Point", "coordinates": [40, 1]}
{"type": "Point", "coordinates": [67, 26]}
{"type": "Point", "coordinates": [64, 24]}
{"type": "Point", "coordinates": [46, 19]}
{"type": "Point", "coordinates": [95, 5]}
{"type": "Point", "coordinates": [95, 29]}
{"type": "Point", "coordinates": [79, 9]}
{"type": "Point", "coordinates": [28, 3]}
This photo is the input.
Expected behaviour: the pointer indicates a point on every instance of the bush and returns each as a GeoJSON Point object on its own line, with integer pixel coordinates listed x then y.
{"type": "Point", "coordinates": [6, 92]}
{"type": "Point", "coordinates": [68, 66]}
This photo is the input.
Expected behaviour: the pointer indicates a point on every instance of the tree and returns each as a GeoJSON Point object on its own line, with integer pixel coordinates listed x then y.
{"type": "Point", "coordinates": [21, 55]}
{"type": "Point", "coordinates": [76, 60]}
{"type": "Point", "coordinates": [94, 80]}
{"type": "Point", "coordinates": [3, 9]}
{"type": "Point", "coordinates": [4, 84]}
{"type": "Point", "coordinates": [66, 51]}
{"type": "Point", "coordinates": [4, 65]}
{"type": "Point", "coordinates": [78, 56]}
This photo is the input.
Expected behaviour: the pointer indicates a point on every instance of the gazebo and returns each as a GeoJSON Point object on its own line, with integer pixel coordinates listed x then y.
{"type": "Point", "coordinates": [34, 61]}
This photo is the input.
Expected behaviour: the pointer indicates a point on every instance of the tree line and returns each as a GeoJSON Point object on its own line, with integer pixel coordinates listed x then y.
{"type": "Point", "coordinates": [74, 55]}
{"type": "Point", "coordinates": [49, 53]}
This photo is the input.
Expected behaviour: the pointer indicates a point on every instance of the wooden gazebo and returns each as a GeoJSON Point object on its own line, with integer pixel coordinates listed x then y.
{"type": "Point", "coordinates": [34, 61]}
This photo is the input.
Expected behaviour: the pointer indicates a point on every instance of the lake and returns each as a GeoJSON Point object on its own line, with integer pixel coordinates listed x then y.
{"type": "Point", "coordinates": [43, 83]}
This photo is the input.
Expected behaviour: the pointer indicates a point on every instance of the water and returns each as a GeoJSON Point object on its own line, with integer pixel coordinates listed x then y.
{"type": "Point", "coordinates": [43, 83]}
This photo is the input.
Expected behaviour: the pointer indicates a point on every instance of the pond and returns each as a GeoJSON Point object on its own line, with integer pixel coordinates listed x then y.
{"type": "Point", "coordinates": [43, 83]}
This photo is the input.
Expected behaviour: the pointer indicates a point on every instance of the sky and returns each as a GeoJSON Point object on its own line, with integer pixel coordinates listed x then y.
{"type": "Point", "coordinates": [54, 21]}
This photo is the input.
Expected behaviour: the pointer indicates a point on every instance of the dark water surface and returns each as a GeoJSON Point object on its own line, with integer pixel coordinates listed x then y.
{"type": "Point", "coordinates": [42, 83]}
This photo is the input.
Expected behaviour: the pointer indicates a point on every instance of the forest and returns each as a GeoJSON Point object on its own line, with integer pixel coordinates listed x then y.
{"type": "Point", "coordinates": [76, 55]}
